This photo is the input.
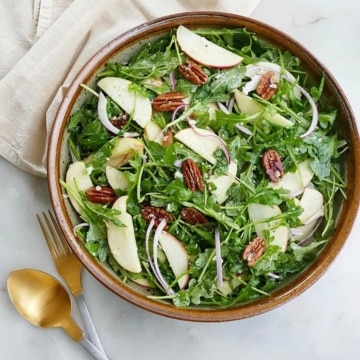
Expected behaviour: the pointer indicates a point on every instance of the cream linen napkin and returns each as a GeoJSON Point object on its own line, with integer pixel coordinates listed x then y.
{"type": "Point", "coordinates": [44, 43]}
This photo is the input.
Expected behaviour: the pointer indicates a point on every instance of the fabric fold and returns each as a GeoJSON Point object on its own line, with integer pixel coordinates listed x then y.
{"type": "Point", "coordinates": [61, 37]}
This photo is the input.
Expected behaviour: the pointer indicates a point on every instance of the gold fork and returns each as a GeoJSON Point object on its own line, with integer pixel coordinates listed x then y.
{"type": "Point", "coordinates": [69, 268]}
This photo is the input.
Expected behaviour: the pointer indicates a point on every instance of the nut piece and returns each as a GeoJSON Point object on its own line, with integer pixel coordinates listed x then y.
{"type": "Point", "coordinates": [168, 101]}
{"type": "Point", "coordinates": [150, 212]}
{"type": "Point", "coordinates": [193, 216]}
{"type": "Point", "coordinates": [268, 86]}
{"type": "Point", "coordinates": [192, 175]}
{"type": "Point", "coordinates": [254, 250]}
{"type": "Point", "coordinates": [168, 138]}
{"type": "Point", "coordinates": [273, 166]}
{"type": "Point", "coordinates": [100, 194]}
{"type": "Point", "coordinates": [120, 121]}
{"type": "Point", "coordinates": [192, 72]}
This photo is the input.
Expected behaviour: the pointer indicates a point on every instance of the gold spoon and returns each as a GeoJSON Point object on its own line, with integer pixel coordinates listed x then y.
{"type": "Point", "coordinates": [43, 301]}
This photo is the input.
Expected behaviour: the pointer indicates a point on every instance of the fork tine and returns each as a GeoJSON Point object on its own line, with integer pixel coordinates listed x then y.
{"type": "Point", "coordinates": [50, 234]}
{"type": "Point", "coordinates": [47, 237]}
{"type": "Point", "coordinates": [57, 233]}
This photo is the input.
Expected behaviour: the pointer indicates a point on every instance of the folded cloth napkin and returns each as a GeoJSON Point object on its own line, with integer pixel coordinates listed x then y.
{"type": "Point", "coordinates": [43, 45]}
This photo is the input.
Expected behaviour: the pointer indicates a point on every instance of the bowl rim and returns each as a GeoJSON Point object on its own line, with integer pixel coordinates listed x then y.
{"type": "Point", "coordinates": [202, 19]}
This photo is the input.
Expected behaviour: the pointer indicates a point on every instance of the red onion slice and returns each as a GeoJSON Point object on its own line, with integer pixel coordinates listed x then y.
{"type": "Point", "coordinates": [79, 226]}
{"type": "Point", "coordinates": [244, 129]}
{"type": "Point", "coordinates": [218, 258]}
{"type": "Point", "coordinates": [223, 108]}
{"type": "Point", "coordinates": [147, 240]}
{"type": "Point", "coordinates": [157, 271]}
{"type": "Point", "coordinates": [103, 117]}
{"type": "Point", "coordinates": [155, 268]}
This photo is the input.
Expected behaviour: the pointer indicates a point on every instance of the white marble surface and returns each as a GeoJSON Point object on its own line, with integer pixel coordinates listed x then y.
{"type": "Point", "coordinates": [321, 324]}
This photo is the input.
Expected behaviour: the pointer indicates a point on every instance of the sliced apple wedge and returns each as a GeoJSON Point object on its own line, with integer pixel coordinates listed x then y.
{"type": "Point", "coordinates": [263, 218]}
{"type": "Point", "coordinates": [77, 179]}
{"type": "Point", "coordinates": [140, 280]}
{"type": "Point", "coordinates": [250, 106]}
{"type": "Point", "coordinates": [121, 239]}
{"type": "Point", "coordinates": [152, 132]}
{"type": "Point", "coordinates": [135, 104]}
{"type": "Point", "coordinates": [204, 51]}
{"type": "Point", "coordinates": [228, 286]}
{"type": "Point", "coordinates": [202, 141]}
{"type": "Point", "coordinates": [295, 181]}
{"type": "Point", "coordinates": [123, 150]}
{"type": "Point", "coordinates": [176, 256]}
{"type": "Point", "coordinates": [116, 178]}
{"type": "Point", "coordinates": [312, 202]}
{"type": "Point", "coordinates": [223, 183]}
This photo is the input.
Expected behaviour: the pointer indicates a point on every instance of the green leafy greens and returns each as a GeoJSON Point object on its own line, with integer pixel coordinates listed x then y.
{"type": "Point", "coordinates": [155, 177]}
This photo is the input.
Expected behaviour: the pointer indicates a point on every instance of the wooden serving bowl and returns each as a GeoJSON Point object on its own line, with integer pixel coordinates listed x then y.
{"type": "Point", "coordinates": [122, 48]}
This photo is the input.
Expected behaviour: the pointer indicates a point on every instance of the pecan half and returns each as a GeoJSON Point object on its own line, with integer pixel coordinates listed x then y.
{"type": "Point", "coordinates": [192, 175]}
{"type": "Point", "coordinates": [272, 165]}
{"type": "Point", "coordinates": [192, 72]}
{"type": "Point", "coordinates": [100, 194]}
{"type": "Point", "coordinates": [168, 101]}
{"type": "Point", "coordinates": [193, 216]}
{"type": "Point", "coordinates": [150, 212]}
{"type": "Point", "coordinates": [267, 86]}
{"type": "Point", "coordinates": [120, 121]}
{"type": "Point", "coordinates": [254, 250]}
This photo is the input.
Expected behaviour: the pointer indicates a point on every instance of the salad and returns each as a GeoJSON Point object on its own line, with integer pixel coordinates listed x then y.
{"type": "Point", "coordinates": [205, 168]}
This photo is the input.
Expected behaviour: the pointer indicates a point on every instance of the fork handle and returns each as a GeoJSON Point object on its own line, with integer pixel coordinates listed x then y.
{"type": "Point", "coordinates": [92, 349]}
{"type": "Point", "coordinates": [89, 325]}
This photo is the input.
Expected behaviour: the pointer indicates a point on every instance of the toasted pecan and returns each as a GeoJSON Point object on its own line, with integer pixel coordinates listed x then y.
{"type": "Point", "coordinates": [272, 164]}
{"type": "Point", "coordinates": [267, 86]}
{"type": "Point", "coordinates": [192, 72]}
{"type": "Point", "coordinates": [254, 250]}
{"type": "Point", "coordinates": [100, 194]}
{"type": "Point", "coordinates": [150, 212]}
{"type": "Point", "coordinates": [192, 175]}
{"type": "Point", "coordinates": [168, 101]}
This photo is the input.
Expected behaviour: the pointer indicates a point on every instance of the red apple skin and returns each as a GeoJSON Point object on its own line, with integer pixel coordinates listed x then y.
{"type": "Point", "coordinates": [205, 52]}
{"type": "Point", "coordinates": [181, 252]}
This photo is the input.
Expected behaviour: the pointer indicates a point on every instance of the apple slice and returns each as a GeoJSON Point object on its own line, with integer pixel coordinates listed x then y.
{"type": "Point", "coordinates": [77, 179]}
{"type": "Point", "coordinates": [203, 142]}
{"type": "Point", "coordinates": [123, 150]}
{"type": "Point", "coordinates": [153, 132]}
{"type": "Point", "coordinates": [228, 286]}
{"type": "Point", "coordinates": [223, 183]}
{"type": "Point", "coordinates": [263, 218]}
{"type": "Point", "coordinates": [176, 256]}
{"type": "Point", "coordinates": [116, 178]}
{"type": "Point", "coordinates": [121, 239]}
{"type": "Point", "coordinates": [295, 181]}
{"type": "Point", "coordinates": [250, 106]}
{"type": "Point", "coordinates": [139, 280]}
{"type": "Point", "coordinates": [312, 202]}
{"type": "Point", "coordinates": [135, 104]}
{"type": "Point", "coordinates": [204, 51]}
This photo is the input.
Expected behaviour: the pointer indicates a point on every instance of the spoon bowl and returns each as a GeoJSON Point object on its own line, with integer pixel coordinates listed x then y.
{"type": "Point", "coordinates": [43, 301]}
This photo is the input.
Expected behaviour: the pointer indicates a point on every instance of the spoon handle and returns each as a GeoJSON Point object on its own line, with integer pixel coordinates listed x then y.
{"type": "Point", "coordinates": [89, 325]}
{"type": "Point", "coordinates": [92, 349]}
{"type": "Point", "coordinates": [75, 332]}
